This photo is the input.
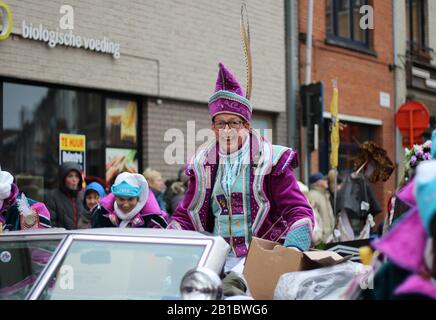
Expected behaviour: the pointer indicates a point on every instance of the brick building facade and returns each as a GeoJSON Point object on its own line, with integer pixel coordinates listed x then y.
{"type": "Point", "coordinates": [361, 63]}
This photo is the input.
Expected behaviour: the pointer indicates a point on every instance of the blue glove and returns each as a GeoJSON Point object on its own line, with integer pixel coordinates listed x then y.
{"type": "Point", "coordinates": [425, 192]}
{"type": "Point", "coordinates": [299, 236]}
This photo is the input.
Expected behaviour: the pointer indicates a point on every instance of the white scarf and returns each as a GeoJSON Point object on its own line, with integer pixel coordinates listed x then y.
{"type": "Point", "coordinates": [126, 217]}
{"type": "Point", "coordinates": [6, 180]}
{"type": "Point", "coordinates": [136, 180]}
{"type": "Point", "coordinates": [232, 165]}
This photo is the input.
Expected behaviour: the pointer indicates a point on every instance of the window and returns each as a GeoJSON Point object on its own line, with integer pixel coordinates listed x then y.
{"type": "Point", "coordinates": [350, 136]}
{"type": "Point", "coordinates": [33, 116]}
{"type": "Point", "coordinates": [417, 26]}
{"type": "Point", "coordinates": [121, 138]}
{"type": "Point", "coordinates": [122, 270]}
{"type": "Point", "coordinates": [21, 262]}
{"type": "Point", "coordinates": [343, 23]}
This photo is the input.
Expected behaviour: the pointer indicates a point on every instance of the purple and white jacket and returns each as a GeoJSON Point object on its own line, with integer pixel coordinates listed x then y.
{"type": "Point", "coordinates": [276, 202]}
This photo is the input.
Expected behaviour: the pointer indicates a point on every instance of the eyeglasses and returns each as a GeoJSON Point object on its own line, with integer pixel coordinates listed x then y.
{"type": "Point", "coordinates": [234, 124]}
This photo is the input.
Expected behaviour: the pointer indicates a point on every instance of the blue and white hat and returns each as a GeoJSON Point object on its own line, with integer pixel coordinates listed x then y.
{"type": "Point", "coordinates": [131, 185]}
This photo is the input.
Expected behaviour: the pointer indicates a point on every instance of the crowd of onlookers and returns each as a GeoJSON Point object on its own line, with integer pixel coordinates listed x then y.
{"type": "Point", "coordinates": [72, 205]}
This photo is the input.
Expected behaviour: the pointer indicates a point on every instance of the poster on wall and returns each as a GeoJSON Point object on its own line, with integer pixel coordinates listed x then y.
{"type": "Point", "coordinates": [72, 148]}
{"type": "Point", "coordinates": [121, 123]}
{"type": "Point", "coordinates": [120, 160]}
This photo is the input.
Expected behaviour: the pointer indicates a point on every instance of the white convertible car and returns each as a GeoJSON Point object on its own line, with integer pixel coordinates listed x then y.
{"type": "Point", "coordinates": [110, 263]}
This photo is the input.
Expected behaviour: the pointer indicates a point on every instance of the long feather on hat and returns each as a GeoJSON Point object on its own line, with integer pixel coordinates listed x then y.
{"type": "Point", "coordinates": [245, 34]}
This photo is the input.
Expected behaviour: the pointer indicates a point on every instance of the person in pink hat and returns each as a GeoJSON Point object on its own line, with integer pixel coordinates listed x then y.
{"type": "Point", "coordinates": [241, 186]}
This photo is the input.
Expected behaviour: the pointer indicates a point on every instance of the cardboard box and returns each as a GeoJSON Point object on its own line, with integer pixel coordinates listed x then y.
{"type": "Point", "coordinates": [267, 261]}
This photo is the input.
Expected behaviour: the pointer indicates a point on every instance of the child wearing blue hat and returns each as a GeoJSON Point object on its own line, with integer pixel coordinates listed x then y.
{"type": "Point", "coordinates": [93, 192]}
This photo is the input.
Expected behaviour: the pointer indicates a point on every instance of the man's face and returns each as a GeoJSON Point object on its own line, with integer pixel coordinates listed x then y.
{"type": "Point", "coordinates": [126, 204]}
{"type": "Point", "coordinates": [230, 131]}
{"type": "Point", "coordinates": [72, 180]}
{"type": "Point", "coordinates": [322, 183]}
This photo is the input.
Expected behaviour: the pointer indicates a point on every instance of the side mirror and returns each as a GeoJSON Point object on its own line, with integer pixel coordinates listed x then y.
{"type": "Point", "coordinates": [201, 284]}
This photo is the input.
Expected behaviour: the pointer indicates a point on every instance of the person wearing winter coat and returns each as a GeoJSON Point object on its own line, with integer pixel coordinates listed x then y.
{"type": "Point", "coordinates": [93, 193]}
{"type": "Point", "coordinates": [129, 205]}
{"type": "Point", "coordinates": [64, 203]}
{"type": "Point", "coordinates": [319, 198]}
{"type": "Point", "coordinates": [157, 186]}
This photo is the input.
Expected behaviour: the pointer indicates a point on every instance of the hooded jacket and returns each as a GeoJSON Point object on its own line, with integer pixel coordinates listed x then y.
{"type": "Point", "coordinates": [93, 186]}
{"type": "Point", "coordinates": [65, 205]}
{"type": "Point", "coordinates": [276, 202]}
{"type": "Point", "coordinates": [85, 221]}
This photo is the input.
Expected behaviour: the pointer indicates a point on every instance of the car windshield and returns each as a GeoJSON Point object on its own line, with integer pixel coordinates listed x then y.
{"type": "Point", "coordinates": [122, 270]}
{"type": "Point", "coordinates": [21, 262]}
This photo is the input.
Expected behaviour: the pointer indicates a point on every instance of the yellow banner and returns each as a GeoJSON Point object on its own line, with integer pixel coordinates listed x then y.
{"type": "Point", "coordinates": [334, 136]}
{"type": "Point", "coordinates": [71, 142]}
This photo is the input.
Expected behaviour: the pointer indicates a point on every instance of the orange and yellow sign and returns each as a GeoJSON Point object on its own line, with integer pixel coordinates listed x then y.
{"type": "Point", "coordinates": [72, 148]}
{"type": "Point", "coordinates": [71, 142]}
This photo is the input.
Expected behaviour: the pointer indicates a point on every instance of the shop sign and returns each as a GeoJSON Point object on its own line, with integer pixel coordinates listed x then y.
{"type": "Point", "coordinates": [72, 148]}
{"type": "Point", "coordinates": [58, 38]}
{"type": "Point", "coordinates": [53, 38]}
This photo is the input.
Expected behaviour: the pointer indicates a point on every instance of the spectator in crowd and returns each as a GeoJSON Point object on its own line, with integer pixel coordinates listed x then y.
{"type": "Point", "coordinates": [65, 205]}
{"type": "Point", "coordinates": [176, 190]}
{"type": "Point", "coordinates": [157, 186]}
{"type": "Point", "coordinates": [93, 193]}
{"type": "Point", "coordinates": [319, 198]}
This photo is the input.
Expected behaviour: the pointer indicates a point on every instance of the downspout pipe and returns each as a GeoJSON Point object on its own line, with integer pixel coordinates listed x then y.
{"type": "Point", "coordinates": [398, 143]}
{"type": "Point", "coordinates": [308, 80]}
{"type": "Point", "coordinates": [292, 71]}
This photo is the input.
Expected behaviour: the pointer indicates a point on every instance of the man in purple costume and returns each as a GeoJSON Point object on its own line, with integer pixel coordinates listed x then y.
{"type": "Point", "coordinates": [241, 186]}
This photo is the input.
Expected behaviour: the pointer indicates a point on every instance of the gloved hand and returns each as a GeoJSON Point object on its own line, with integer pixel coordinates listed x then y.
{"type": "Point", "coordinates": [425, 192]}
{"type": "Point", "coordinates": [299, 236]}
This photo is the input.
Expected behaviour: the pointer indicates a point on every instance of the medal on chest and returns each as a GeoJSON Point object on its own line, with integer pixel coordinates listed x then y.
{"type": "Point", "coordinates": [29, 218]}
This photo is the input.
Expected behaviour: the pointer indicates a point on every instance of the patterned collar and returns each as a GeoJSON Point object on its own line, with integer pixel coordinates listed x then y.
{"type": "Point", "coordinates": [136, 221]}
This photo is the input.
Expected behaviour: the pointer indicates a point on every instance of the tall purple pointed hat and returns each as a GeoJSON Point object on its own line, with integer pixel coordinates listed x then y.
{"type": "Point", "coordinates": [228, 96]}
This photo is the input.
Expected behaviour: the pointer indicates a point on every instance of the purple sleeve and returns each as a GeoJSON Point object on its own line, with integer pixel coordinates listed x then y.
{"type": "Point", "coordinates": [181, 219]}
{"type": "Point", "coordinates": [287, 198]}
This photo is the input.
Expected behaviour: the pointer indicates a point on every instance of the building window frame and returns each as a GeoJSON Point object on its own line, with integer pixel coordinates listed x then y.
{"type": "Point", "coordinates": [333, 37]}
{"type": "Point", "coordinates": [418, 47]}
